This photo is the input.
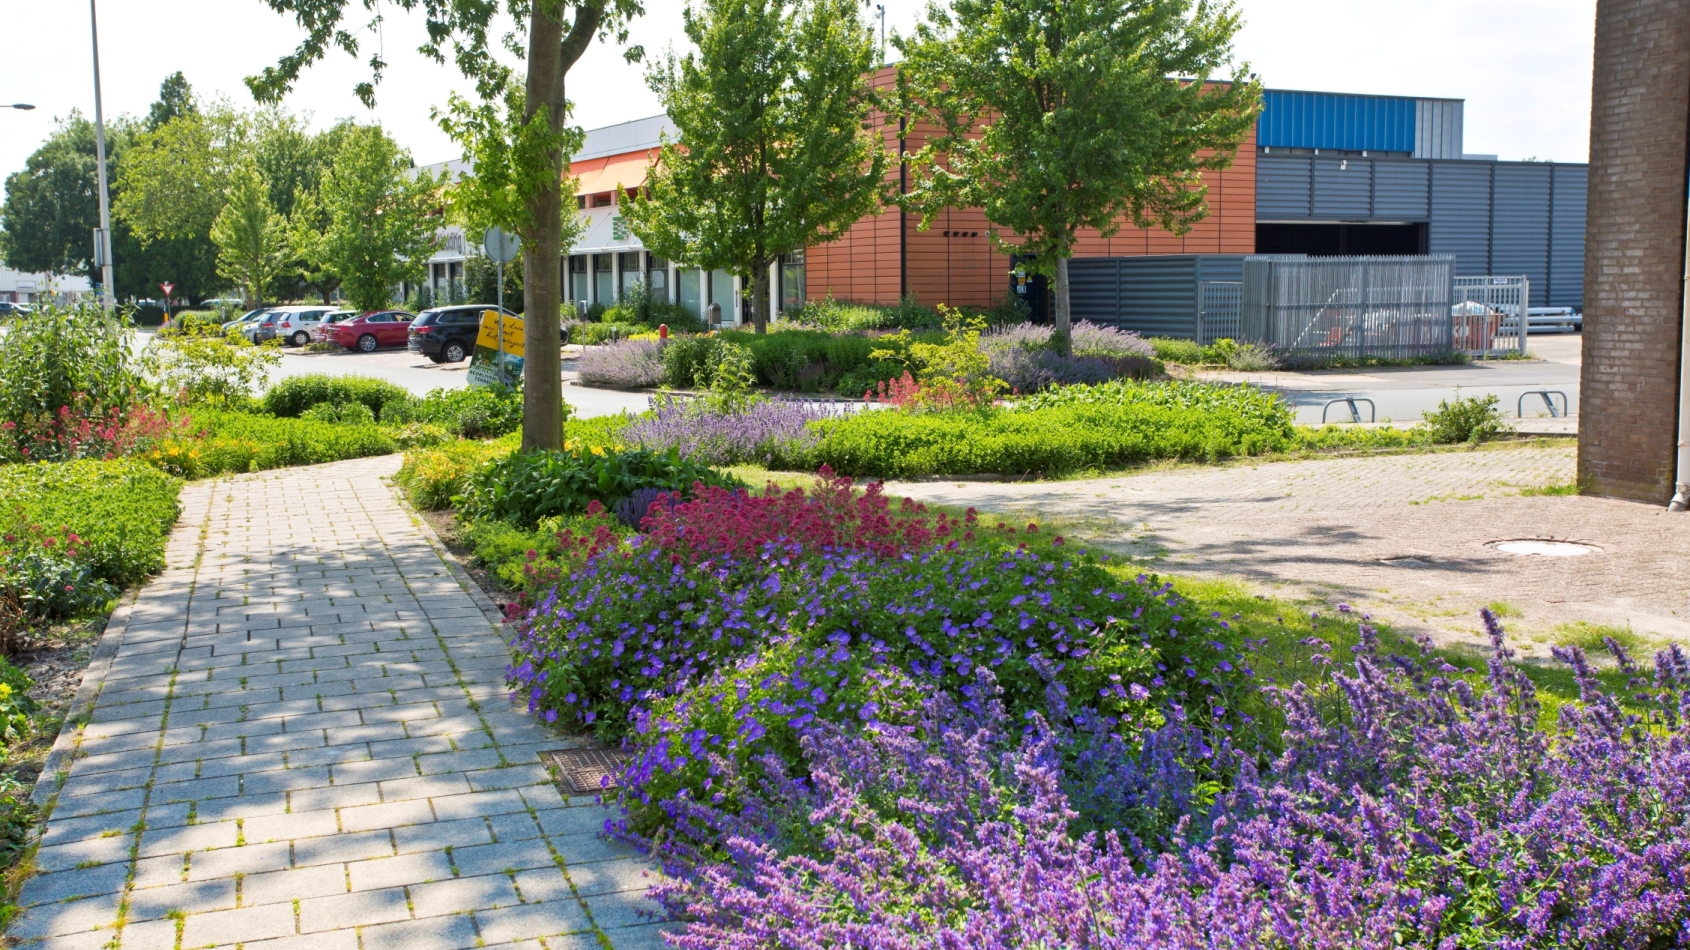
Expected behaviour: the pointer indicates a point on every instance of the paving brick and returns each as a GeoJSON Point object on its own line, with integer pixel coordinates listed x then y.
{"type": "Point", "coordinates": [464, 894]}
{"type": "Point", "coordinates": [293, 884]}
{"type": "Point", "coordinates": [84, 882]}
{"type": "Point", "coordinates": [455, 932]}
{"type": "Point", "coordinates": [223, 927]}
{"type": "Point", "coordinates": [365, 907]}
{"type": "Point", "coordinates": [388, 815]}
{"type": "Point", "coordinates": [194, 897]}
{"type": "Point", "coordinates": [496, 858]}
{"type": "Point", "coordinates": [530, 921]}
{"type": "Point", "coordinates": [404, 870]}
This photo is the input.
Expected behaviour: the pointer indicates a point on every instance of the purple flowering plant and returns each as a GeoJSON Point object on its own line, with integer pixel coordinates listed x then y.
{"type": "Point", "coordinates": [1404, 805]}
{"type": "Point", "coordinates": [737, 657]}
{"type": "Point", "coordinates": [763, 431]}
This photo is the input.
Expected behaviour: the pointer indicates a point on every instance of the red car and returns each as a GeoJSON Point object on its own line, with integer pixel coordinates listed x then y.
{"type": "Point", "coordinates": [372, 331]}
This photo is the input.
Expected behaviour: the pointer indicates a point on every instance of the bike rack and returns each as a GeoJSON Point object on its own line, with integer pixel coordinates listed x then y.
{"type": "Point", "coordinates": [1544, 394]}
{"type": "Point", "coordinates": [1355, 412]}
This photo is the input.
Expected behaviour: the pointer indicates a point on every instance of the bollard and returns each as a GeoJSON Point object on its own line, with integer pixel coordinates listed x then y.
{"type": "Point", "coordinates": [663, 331]}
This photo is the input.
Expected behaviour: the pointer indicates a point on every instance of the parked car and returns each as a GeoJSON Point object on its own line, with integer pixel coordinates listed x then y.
{"type": "Point", "coordinates": [320, 333]}
{"type": "Point", "coordinates": [447, 334]}
{"type": "Point", "coordinates": [292, 325]}
{"type": "Point", "coordinates": [372, 331]}
{"type": "Point", "coordinates": [246, 322]}
{"type": "Point", "coordinates": [10, 309]}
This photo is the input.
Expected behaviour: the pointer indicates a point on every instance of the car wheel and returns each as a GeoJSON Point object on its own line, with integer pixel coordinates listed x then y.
{"type": "Point", "coordinates": [301, 338]}
{"type": "Point", "coordinates": [367, 343]}
{"type": "Point", "coordinates": [454, 353]}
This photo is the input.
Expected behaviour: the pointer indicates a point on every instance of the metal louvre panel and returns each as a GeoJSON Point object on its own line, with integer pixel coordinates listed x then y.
{"type": "Point", "coordinates": [1460, 219]}
{"type": "Point", "coordinates": [1343, 187]}
{"type": "Point", "coordinates": [1438, 128]}
{"type": "Point", "coordinates": [1566, 238]}
{"type": "Point", "coordinates": [1293, 119]}
{"type": "Point", "coordinates": [1359, 307]}
{"type": "Point", "coordinates": [1283, 186]}
{"type": "Point", "coordinates": [1093, 289]}
{"type": "Point", "coordinates": [1159, 295]}
{"type": "Point", "coordinates": [1520, 221]}
{"type": "Point", "coordinates": [1401, 190]}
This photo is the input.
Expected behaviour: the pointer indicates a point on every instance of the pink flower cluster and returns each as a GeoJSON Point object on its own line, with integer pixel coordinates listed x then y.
{"type": "Point", "coordinates": [830, 516]}
{"type": "Point", "coordinates": [82, 431]}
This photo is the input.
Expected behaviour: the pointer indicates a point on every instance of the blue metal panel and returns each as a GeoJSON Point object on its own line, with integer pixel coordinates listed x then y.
{"type": "Point", "coordinates": [1327, 120]}
{"type": "Point", "coordinates": [1566, 239]}
{"type": "Point", "coordinates": [1460, 224]}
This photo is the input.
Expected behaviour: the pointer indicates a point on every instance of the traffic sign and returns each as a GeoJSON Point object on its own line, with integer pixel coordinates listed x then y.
{"type": "Point", "coordinates": [167, 287]}
{"type": "Point", "coordinates": [501, 245]}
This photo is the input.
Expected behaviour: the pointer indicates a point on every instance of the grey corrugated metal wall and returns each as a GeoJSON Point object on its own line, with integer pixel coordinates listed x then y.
{"type": "Point", "coordinates": [1437, 128]}
{"type": "Point", "coordinates": [1493, 217]}
{"type": "Point", "coordinates": [1156, 296]}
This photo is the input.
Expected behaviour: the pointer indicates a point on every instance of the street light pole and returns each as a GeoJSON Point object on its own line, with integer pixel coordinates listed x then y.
{"type": "Point", "coordinates": [102, 240]}
{"type": "Point", "coordinates": [20, 106]}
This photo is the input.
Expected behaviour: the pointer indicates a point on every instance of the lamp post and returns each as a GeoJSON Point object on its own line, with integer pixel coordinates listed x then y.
{"type": "Point", "coordinates": [20, 106]}
{"type": "Point", "coordinates": [102, 237]}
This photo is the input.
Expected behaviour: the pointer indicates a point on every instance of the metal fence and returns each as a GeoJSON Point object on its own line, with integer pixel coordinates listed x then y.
{"type": "Point", "coordinates": [1487, 314]}
{"type": "Point", "coordinates": [1349, 307]}
{"type": "Point", "coordinates": [1217, 310]}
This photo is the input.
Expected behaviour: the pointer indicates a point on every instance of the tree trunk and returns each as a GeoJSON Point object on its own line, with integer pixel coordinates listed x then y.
{"type": "Point", "coordinates": [1064, 335]}
{"type": "Point", "coordinates": [760, 296]}
{"type": "Point", "coordinates": [550, 54]}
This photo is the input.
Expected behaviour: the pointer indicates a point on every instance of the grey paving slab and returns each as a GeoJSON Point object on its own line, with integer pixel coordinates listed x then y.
{"type": "Point", "coordinates": [306, 714]}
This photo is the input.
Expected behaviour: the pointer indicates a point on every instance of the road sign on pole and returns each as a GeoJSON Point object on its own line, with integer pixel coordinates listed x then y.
{"type": "Point", "coordinates": [501, 246]}
{"type": "Point", "coordinates": [167, 287]}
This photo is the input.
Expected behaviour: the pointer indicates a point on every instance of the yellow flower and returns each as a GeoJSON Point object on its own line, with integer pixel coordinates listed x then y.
{"type": "Point", "coordinates": [5, 690]}
{"type": "Point", "coordinates": [598, 450]}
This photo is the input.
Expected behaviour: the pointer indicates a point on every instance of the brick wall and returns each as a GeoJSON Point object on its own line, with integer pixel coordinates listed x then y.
{"type": "Point", "coordinates": [953, 262]}
{"type": "Point", "coordinates": [1635, 254]}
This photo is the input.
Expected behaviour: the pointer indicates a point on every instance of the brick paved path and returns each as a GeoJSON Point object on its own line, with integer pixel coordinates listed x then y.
{"type": "Point", "coordinates": [1403, 535]}
{"type": "Point", "coordinates": [303, 740]}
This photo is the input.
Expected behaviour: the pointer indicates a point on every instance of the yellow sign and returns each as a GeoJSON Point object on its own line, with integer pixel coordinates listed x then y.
{"type": "Point", "coordinates": [485, 366]}
{"type": "Point", "coordinates": [489, 336]}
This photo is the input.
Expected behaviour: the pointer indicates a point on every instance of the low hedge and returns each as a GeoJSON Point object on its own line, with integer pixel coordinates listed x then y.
{"type": "Point", "coordinates": [291, 397]}
{"type": "Point", "coordinates": [120, 510]}
{"type": "Point", "coordinates": [224, 442]}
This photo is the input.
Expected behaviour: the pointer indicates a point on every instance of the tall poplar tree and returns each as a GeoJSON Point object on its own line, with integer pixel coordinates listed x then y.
{"type": "Point", "coordinates": [557, 33]}
{"type": "Point", "coordinates": [1057, 115]}
{"type": "Point", "coordinates": [775, 152]}
{"type": "Point", "coordinates": [251, 237]}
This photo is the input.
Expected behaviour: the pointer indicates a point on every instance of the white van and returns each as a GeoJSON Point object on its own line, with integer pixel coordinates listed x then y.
{"type": "Point", "coordinates": [292, 325]}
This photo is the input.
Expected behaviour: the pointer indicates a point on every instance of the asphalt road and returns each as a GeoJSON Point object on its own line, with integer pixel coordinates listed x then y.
{"type": "Point", "coordinates": [1407, 393]}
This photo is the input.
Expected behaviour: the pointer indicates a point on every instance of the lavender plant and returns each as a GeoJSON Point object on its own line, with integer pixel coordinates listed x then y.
{"type": "Point", "coordinates": [1407, 808]}
{"type": "Point", "coordinates": [624, 364]}
{"type": "Point", "coordinates": [730, 433]}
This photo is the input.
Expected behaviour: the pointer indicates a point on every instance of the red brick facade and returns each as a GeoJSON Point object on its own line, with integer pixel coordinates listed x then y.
{"type": "Point", "coordinates": [953, 262]}
{"type": "Point", "coordinates": [1635, 253]}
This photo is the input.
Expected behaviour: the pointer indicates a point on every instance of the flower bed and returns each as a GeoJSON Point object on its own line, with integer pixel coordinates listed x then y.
{"type": "Point", "coordinates": [760, 431]}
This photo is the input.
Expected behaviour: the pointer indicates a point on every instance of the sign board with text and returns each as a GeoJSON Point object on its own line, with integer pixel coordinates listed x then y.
{"type": "Point", "coordinates": [484, 363]}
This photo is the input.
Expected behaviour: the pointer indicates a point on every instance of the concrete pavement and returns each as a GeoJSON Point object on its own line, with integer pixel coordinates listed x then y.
{"type": "Point", "coordinates": [299, 736]}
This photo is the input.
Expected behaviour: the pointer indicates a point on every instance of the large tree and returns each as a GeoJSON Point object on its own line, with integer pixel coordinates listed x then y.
{"type": "Point", "coordinates": [251, 237]}
{"type": "Point", "coordinates": [775, 152]}
{"type": "Point", "coordinates": [53, 206]}
{"type": "Point", "coordinates": [380, 213]}
{"type": "Point", "coordinates": [1056, 115]}
{"type": "Point", "coordinates": [558, 32]}
{"type": "Point", "coordinates": [171, 183]}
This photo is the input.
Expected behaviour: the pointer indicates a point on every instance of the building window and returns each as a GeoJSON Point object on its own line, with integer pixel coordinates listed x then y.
{"type": "Point", "coordinates": [792, 281]}
{"type": "Point", "coordinates": [657, 271]}
{"type": "Point", "coordinates": [630, 265]}
{"type": "Point", "coordinates": [722, 295]}
{"type": "Point", "coordinates": [581, 202]}
{"type": "Point", "coordinates": [602, 201]}
{"type": "Point", "coordinates": [604, 280]}
{"type": "Point", "coordinates": [578, 289]}
{"type": "Point", "coordinates": [691, 291]}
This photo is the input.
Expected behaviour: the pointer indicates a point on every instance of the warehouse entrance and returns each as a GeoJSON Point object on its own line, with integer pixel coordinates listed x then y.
{"type": "Point", "coordinates": [1341, 240]}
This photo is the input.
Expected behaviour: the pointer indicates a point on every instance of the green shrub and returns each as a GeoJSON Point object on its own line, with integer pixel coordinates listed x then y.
{"type": "Point", "coordinates": [598, 334]}
{"type": "Point", "coordinates": [638, 307]}
{"type": "Point", "coordinates": [291, 397]}
{"type": "Point", "coordinates": [475, 413]}
{"type": "Point", "coordinates": [688, 360]}
{"type": "Point", "coordinates": [210, 370]}
{"type": "Point", "coordinates": [1473, 419]}
{"type": "Point", "coordinates": [195, 323]}
{"type": "Point", "coordinates": [1064, 430]}
{"type": "Point", "coordinates": [837, 316]}
{"type": "Point", "coordinates": [60, 360]}
{"type": "Point", "coordinates": [121, 512]}
{"type": "Point", "coordinates": [346, 414]}
{"type": "Point", "coordinates": [1172, 350]}
{"type": "Point", "coordinates": [222, 442]}
{"type": "Point", "coordinates": [430, 477]}
{"type": "Point", "coordinates": [523, 487]}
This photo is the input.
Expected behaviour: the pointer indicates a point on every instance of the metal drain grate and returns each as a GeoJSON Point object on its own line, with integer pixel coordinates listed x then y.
{"type": "Point", "coordinates": [585, 771]}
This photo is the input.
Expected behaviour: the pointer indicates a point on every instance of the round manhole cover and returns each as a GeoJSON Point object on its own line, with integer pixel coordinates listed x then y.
{"type": "Point", "coordinates": [1545, 548]}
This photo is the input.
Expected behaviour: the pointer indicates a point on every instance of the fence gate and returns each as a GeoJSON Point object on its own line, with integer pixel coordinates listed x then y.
{"type": "Point", "coordinates": [1217, 310]}
{"type": "Point", "coordinates": [1490, 314]}
{"type": "Point", "coordinates": [1348, 307]}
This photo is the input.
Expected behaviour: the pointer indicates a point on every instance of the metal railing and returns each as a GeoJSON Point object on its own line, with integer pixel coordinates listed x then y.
{"type": "Point", "coordinates": [1217, 310]}
{"type": "Point", "coordinates": [1349, 307]}
{"type": "Point", "coordinates": [1487, 314]}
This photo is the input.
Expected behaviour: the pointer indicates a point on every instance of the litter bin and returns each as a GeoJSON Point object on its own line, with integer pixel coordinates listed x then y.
{"type": "Point", "coordinates": [714, 314]}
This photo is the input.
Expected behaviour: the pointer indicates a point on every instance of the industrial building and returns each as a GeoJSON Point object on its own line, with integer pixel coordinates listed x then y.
{"type": "Point", "coordinates": [1321, 174]}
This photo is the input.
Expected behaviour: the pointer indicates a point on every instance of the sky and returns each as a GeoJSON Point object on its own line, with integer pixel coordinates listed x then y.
{"type": "Point", "coordinates": [1523, 66]}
